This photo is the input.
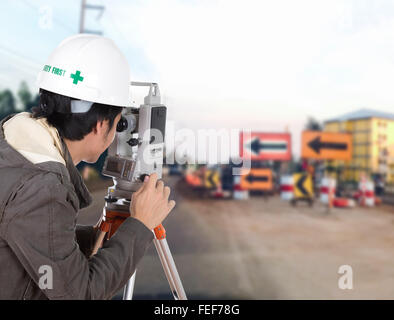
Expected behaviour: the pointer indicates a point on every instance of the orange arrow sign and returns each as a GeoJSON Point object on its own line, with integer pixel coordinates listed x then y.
{"type": "Point", "coordinates": [257, 179]}
{"type": "Point", "coordinates": [326, 145]}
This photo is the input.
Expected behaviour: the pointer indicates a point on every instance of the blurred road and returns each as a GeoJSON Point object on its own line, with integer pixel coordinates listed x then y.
{"type": "Point", "coordinates": [258, 249]}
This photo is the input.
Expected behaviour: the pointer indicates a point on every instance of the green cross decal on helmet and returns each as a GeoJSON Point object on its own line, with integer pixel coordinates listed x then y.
{"type": "Point", "coordinates": [92, 69]}
{"type": "Point", "coordinates": [77, 77]}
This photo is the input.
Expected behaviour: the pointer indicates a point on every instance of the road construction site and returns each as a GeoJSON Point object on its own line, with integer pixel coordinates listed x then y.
{"type": "Point", "coordinates": [264, 248]}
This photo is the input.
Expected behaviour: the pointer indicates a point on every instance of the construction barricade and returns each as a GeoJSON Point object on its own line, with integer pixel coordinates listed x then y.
{"type": "Point", "coordinates": [287, 187]}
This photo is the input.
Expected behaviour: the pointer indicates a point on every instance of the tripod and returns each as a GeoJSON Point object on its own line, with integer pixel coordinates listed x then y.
{"type": "Point", "coordinates": [113, 220]}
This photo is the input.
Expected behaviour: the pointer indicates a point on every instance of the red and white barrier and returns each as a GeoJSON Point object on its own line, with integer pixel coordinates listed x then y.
{"type": "Point", "coordinates": [238, 192]}
{"type": "Point", "coordinates": [327, 187]}
{"type": "Point", "coordinates": [218, 192]}
{"type": "Point", "coordinates": [367, 193]}
{"type": "Point", "coordinates": [287, 187]}
{"type": "Point", "coordinates": [343, 203]}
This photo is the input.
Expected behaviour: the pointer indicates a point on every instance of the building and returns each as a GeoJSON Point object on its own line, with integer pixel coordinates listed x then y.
{"type": "Point", "coordinates": [373, 144]}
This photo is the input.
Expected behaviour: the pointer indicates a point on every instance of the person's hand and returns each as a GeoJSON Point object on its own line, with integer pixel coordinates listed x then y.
{"type": "Point", "coordinates": [150, 203]}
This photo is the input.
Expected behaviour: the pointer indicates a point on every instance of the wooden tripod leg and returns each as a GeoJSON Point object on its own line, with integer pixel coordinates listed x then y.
{"type": "Point", "coordinates": [99, 242]}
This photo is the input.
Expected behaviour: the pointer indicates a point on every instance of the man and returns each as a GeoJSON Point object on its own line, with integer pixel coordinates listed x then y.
{"type": "Point", "coordinates": [83, 88]}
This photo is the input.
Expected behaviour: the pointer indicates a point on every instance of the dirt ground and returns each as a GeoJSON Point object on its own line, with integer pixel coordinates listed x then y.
{"type": "Point", "coordinates": [266, 249]}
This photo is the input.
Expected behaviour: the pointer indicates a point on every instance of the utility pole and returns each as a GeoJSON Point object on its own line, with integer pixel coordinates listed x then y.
{"type": "Point", "coordinates": [82, 17]}
{"type": "Point", "coordinates": [85, 6]}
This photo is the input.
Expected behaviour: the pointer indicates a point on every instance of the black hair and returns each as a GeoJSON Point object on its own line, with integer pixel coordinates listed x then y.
{"type": "Point", "coordinates": [56, 109]}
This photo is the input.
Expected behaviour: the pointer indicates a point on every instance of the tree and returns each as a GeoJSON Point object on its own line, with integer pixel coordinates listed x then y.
{"type": "Point", "coordinates": [7, 103]}
{"type": "Point", "coordinates": [26, 97]}
{"type": "Point", "coordinates": [24, 94]}
{"type": "Point", "coordinates": [313, 125]}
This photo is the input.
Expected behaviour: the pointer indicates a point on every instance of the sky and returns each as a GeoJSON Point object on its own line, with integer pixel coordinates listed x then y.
{"type": "Point", "coordinates": [259, 65]}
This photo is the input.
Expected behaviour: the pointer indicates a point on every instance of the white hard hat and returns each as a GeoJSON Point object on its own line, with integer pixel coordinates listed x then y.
{"type": "Point", "coordinates": [88, 67]}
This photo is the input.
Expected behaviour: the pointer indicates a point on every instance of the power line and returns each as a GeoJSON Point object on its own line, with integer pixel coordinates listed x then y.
{"type": "Point", "coordinates": [23, 70]}
{"type": "Point", "coordinates": [28, 67]}
{"type": "Point", "coordinates": [20, 56]}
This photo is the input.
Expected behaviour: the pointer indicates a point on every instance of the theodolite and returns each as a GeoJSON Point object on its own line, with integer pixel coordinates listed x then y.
{"type": "Point", "coordinates": [137, 151]}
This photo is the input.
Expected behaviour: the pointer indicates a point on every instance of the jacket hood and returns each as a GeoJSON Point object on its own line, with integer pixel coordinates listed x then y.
{"type": "Point", "coordinates": [35, 139]}
{"type": "Point", "coordinates": [52, 156]}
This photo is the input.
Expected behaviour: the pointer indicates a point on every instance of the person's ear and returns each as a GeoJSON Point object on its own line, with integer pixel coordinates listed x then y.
{"type": "Point", "coordinates": [99, 127]}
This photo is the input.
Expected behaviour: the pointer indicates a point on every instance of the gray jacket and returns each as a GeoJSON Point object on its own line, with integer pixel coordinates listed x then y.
{"type": "Point", "coordinates": [39, 206]}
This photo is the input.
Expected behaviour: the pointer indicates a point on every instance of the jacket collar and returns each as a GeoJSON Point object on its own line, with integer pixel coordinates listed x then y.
{"type": "Point", "coordinates": [85, 199]}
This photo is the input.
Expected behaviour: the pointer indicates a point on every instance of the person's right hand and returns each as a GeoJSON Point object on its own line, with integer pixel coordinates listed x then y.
{"type": "Point", "coordinates": [150, 203]}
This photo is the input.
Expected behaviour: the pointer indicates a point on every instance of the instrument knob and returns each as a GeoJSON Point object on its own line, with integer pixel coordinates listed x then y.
{"type": "Point", "coordinates": [142, 176]}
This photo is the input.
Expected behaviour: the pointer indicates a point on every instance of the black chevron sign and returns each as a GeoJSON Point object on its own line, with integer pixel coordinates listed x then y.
{"type": "Point", "coordinates": [300, 185]}
{"type": "Point", "coordinates": [210, 179]}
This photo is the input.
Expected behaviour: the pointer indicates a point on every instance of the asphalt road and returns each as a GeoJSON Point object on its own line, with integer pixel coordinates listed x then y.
{"type": "Point", "coordinates": [198, 250]}
{"type": "Point", "coordinates": [266, 249]}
